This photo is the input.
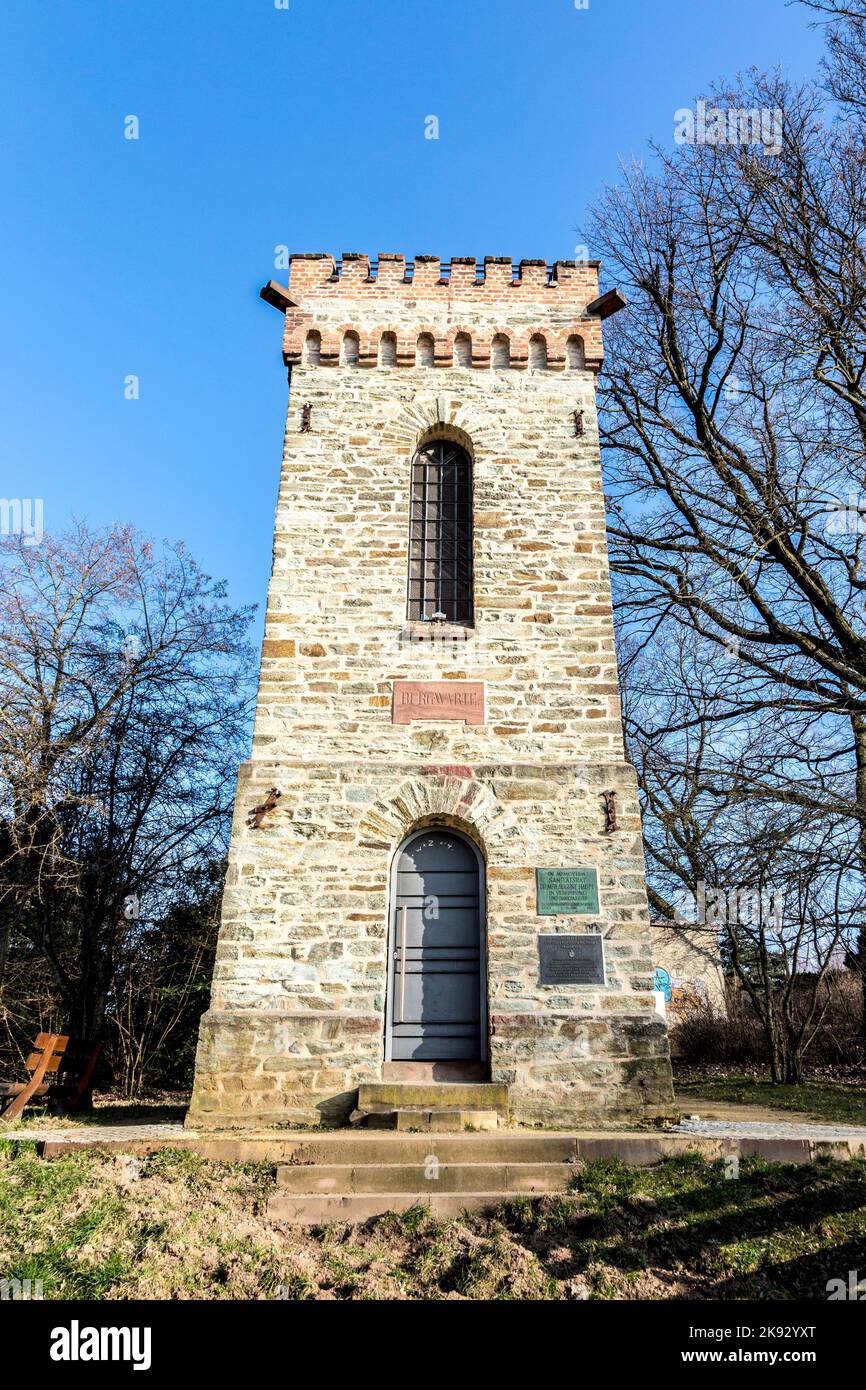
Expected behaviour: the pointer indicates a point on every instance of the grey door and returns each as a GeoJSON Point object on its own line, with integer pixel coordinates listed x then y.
{"type": "Point", "coordinates": [435, 1000]}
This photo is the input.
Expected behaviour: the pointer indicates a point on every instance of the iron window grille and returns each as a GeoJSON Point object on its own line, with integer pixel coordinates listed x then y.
{"type": "Point", "coordinates": [440, 540]}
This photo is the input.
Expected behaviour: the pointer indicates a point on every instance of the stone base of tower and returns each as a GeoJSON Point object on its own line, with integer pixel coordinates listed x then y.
{"type": "Point", "coordinates": [560, 1072]}
{"type": "Point", "coordinates": [267, 1070]}
{"type": "Point", "coordinates": [304, 986]}
{"type": "Point", "coordinates": [621, 1073]}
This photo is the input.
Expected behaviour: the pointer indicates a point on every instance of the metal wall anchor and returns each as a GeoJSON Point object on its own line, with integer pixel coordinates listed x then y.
{"type": "Point", "coordinates": [258, 813]}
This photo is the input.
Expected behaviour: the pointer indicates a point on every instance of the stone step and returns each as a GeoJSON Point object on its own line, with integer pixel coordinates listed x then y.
{"type": "Point", "coordinates": [397, 1095]}
{"type": "Point", "coordinates": [368, 1146]}
{"type": "Point", "coordinates": [321, 1210]}
{"type": "Point", "coordinates": [423, 1180]}
{"type": "Point", "coordinates": [342, 1147]}
{"type": "Point", "coordinates": [443, 1121]}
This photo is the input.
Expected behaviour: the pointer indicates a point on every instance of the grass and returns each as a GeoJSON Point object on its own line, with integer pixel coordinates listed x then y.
{"type": "Point", "coordinates": [164, 1107]}
{"type": "Point", "coordinates": [173, 1225]}
{"type": "Point", "coordinates": [823, 1100]}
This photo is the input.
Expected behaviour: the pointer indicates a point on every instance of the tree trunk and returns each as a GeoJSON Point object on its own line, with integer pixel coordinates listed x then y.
{"type": "Point", "coordinates": [5, 938]}
{"type": "Point", "coordinates": [858, 725]}
{"type": "Point", "coordinates": [775, 1049]}
{"type": "Point", "coordinates": [91, 996]}
{"type": "Point", "coordinates": [793, 1069]}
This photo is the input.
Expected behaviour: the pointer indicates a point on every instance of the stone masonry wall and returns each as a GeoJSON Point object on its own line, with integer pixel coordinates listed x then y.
{"type": "Point", "coordinates": [296, 1019]}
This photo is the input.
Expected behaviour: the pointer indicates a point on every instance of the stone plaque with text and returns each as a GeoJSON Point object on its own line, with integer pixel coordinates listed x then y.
{"type": "Point", "coordinates": [463, 700]}
{"type": "Point", "coordinates": [566, 892]}
{"type": "Point", "coordinates": [571, 960]}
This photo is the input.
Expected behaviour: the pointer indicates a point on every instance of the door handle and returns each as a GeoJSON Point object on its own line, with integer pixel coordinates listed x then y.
{"type": "Point", "coordinates": [403, 912]}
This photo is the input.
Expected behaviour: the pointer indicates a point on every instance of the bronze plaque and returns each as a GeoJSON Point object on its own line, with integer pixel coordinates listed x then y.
{"type": "Point", "coordinates": [463, 700]}
{"type": "Point", "coordinates": [566, 892]}
{"type": "Point", "coordinates": [571, 960]}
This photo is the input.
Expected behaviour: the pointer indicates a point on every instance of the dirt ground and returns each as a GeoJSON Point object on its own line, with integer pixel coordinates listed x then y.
{"type": "Point", "coordinates": [173, 1226]}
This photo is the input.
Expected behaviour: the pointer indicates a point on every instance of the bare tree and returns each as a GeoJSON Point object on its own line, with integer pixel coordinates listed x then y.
{"type": "Point", "coordinates": [162, 984]}
{"type": "Point", "coordinates": [765, 882]}
{"type": "Point", "coordinates": [734, 425]}
{"type": "Point", "coordinates": [846, 44]}
{"type": "Point", "coordinates": [123, 713]}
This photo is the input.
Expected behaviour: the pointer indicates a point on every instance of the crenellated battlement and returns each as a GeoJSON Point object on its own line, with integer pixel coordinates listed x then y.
{"type": "Point", "coordinates": [464, 313]}
{"type": "Point", "coordinates": [309, 271]}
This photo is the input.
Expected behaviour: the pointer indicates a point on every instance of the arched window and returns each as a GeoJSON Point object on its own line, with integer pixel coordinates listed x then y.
{"type": "Point", "coordinates": [440, 540]}
{"type": "Point", "coordinates": [574, 353]}
{"type": "Point", "coordinates": [313, 348]}
{"type": "Point", "coordinates": [500, 351]}
{"type": "Point", "coordinates": [388, 350]}
{"type": "Point", "coordinates": [537, 352]}
{"type": "Point", "coordinates": [463, 350]}
{"type": "Point", "coordinates": [424, 350]}
{"type": "Point", "coordinates": [351, 349]}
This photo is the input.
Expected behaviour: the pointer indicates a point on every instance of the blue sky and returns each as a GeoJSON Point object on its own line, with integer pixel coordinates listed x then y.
{"type": "Point", "coordinates": [302, 126]}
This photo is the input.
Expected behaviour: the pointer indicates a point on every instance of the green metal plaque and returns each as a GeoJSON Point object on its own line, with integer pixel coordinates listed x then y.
{"type": "Point", "coordinates": [566, 892]}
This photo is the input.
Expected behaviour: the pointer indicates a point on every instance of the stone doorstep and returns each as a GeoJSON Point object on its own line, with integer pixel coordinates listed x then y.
{"type": "Point", "coordinates": [398, 1095]}
{"type": "Point", "coordinates": [430, 1106]}
{"type": "Point", "coordinates": [434, 1121]}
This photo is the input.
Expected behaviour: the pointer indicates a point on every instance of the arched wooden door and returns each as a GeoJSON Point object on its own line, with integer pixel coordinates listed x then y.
{"type": "Point", "coordinates": [437, 979]}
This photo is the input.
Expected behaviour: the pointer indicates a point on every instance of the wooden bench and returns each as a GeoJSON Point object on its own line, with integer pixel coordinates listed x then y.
{"type": "Point", "coordinates": [59, 1070]}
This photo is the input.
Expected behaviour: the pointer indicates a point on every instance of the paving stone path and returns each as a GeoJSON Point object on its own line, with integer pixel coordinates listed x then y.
{"type": "Point", "coordinates": [98, 1134]}
{"type": "Point", "coordinates": [709, 1128]}
{"type": "Point", "coordinates": [767, 1129]}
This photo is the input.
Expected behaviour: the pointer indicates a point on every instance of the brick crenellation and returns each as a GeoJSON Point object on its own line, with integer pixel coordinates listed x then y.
{"type": "Point", "coordinates": [442, 314]}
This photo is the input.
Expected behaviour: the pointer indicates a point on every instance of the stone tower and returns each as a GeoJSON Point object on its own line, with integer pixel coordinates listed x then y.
{"type": "Point", "coordinates": [436, 871]}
